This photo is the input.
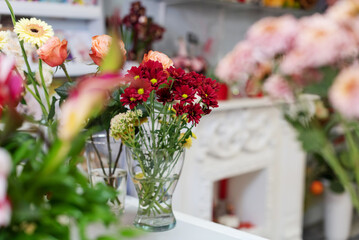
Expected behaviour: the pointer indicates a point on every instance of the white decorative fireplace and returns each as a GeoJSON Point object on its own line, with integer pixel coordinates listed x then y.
{"type": "Point", "coordinates": [248, 142]}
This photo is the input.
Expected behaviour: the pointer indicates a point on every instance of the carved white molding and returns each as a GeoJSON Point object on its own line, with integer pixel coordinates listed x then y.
{"type": "Point", "coordinates": [241, 137]}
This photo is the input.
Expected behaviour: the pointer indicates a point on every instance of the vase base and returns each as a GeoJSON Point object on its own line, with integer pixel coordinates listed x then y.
{"type": "Point", "coordinates": [149, 228]}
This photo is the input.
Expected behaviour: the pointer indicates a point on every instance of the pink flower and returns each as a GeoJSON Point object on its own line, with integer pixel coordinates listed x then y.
{"type": "Point", "coordinates": [241, 62]}
{"type": "Point", "coordinates": [87, 99]}
{"type": "Point", "coordinates": [53, 52]}
{"type": "Point", "coordinates": [11, 84]}
{"type": "Point", "coordinates": [159, 57]}
{"type": "Point", "coordinates": [5, 168]}
{"type": "Point", "coordinates": [346, 13]}
{"type": "Point", "coordinates": [321, 42]}
{"type": "Point", "coordinates": [101, 45]}
{"type": "Point", "coordinates": [277, 87]}
{"type": "Point", "coordinates": [273, 35]}
{"type": "Point", "coordinates": [5, 213]}
{"type": "Point", "coordinates": [344, 93]}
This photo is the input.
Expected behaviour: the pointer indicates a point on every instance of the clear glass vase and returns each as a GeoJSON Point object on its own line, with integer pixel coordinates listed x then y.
{"type": "Point", "coordinates": [155, 174]}
{"type": "Point", "coordinates": [106, 164]}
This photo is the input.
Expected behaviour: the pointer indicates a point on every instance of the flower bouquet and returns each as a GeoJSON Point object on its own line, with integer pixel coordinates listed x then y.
{"type": "Point", "coordinates": [43, 194]}
{"type": "Point", "coordinates": [166, 103]}
{"type": "Point", "coordinates": [138, 31]}
{"type": "Point", "coordinates": [317, 55]}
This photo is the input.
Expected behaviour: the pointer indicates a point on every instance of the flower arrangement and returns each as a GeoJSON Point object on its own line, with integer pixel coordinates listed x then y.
{"type": "Point", "coordinates": [138, 31]}
{"type": "Point", "coordinates": [166, 103]}
{"type": "Point", "coordinates": [317, 55]}
{"type": "Point", "coordinates": [43, 194]}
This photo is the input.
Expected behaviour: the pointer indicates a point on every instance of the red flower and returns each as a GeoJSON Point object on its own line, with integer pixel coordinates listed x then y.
{"type": "Point", "coordinates": [184, 93]}
{"type": "Point", "coordinates": [176, 73]}
{"type": "Point", "coordinates": [136, 93]}
{"type": "Point", "coordinates": [194, 113]}
{"type": "Point", "coordinates": [150, 71]}
{"type": "Point", "coordinates": [208, 95]}
{"type": "Point", "coordinates": [130, 97]}
{"type": "Point", "coordinates": [180, 109]}
{"type": "Point", "coordinates": [164, 95]}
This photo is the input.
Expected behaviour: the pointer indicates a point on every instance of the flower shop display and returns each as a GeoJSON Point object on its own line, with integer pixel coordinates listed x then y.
{"type": "Point", "coordinates": [43, 193]}
{"type": "Point", "coordinates": [165, 104]}
{"type": "Point", "coordinates": [137, 30]}
{"type": "Point", "coordinates": [317, 55]}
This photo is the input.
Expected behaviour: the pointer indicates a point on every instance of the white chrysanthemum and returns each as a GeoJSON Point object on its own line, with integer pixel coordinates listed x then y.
{"type": "Point", "coordinates": [33, 31]}
{"type": "Point", "coordinates": [4, 35]}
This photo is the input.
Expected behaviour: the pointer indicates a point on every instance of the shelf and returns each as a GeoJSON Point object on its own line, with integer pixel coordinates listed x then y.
{"type": "Point", "coordinates": [74, 69]}
{"type": "Point", "coordinates": [77, 69]}
{"type": "Point", "coordinates": [243, 6]}
{"type": "Point", "coordinates": [52, 10]}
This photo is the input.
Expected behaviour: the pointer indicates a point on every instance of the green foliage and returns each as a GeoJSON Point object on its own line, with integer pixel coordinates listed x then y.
{"type": "Point", "coordinates": [321, 88]}
{"type": "Point", "coordinates": [45, 205]}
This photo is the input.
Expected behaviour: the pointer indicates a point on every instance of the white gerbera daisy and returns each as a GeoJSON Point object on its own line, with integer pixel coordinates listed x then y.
{"type": "Point", "coordinates": [33, 31]}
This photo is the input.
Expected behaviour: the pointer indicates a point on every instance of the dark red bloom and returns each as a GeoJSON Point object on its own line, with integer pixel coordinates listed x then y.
{"type": "Point", "coordinates": [176, 73]}
{"type": "Point", "coordinates": [150, 71]}
{"type": "Point", "coordinates": [180, 109]}
{"type": "Point", "coordinates": [138, 92]}
{"type": "Point", "coordinates": [208, 95]}
{"type": "Point", "coordinates": [194, 113]}
{"type": "Point", "coordinates": [164, 95]}
{"type": "Point", "coordinates": [184, 93]}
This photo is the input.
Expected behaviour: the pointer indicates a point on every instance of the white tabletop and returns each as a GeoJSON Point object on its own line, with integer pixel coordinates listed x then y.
{"type": "Point", "coordinates": [187, 228]}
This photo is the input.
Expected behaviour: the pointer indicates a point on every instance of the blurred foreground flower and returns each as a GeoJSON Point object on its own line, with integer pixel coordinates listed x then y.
{"type": "Point", "coordinates": [86, 100]}
{"type": "Point", "coordinates": [11, 84]}
{"type": "Point", "coordinates": [5, 168]}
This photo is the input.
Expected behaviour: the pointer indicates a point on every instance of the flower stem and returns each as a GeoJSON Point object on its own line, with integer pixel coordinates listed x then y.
{"type": "Point", "coordinates": [43, 84]}
{"type": "Point", "coordinates": [66, 73]}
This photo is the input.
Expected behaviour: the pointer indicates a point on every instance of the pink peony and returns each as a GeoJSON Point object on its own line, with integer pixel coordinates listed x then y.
{"type": "Point", "coordinates": [277, 87]}
{"type": "Point", "coordinates": [273, 35]}
{"type": "Point", "coordinates": [321, 42]}
{"type": "Point", "coordinates": [239, 64]}
{"type": "Point", "coordinates": [344, 93]}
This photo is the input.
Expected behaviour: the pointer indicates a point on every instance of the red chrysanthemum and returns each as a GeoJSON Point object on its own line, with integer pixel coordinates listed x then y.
{"type": "Point", "coordinates": [208, 95]}
{"type": "Point", "coordinates": [194, 112]}
{"type": "Point", "coordinates": [130, 97]}
{"type": "Point", "coordinates": [164, 95]}
{"type": "Point", "coordinates": [184, 93]}
{"type": "Point", "coordinates": [154, 73]}
{"type": "Point", "coordinates": [138, 92]}
{"type": "Point", "coordinates": [180, 109]}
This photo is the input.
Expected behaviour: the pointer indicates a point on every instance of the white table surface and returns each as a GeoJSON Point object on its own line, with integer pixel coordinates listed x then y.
{"type": "Point", "coordinates": [187, 228]}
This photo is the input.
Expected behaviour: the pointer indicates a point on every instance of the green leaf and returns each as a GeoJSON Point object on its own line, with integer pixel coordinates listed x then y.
{"type": "Point", "coordinates": [52, 109]}
{"type": "Point", "coordinates": [336, 186]}
{"type": "Point", "coordinates": [63, 90]}
{"type": "Point", "coordinates": [312, 140]}
{"type": "Point", "coordinates": [322, 87]}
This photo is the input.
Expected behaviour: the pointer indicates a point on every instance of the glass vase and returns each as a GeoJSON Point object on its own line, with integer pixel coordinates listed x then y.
{"type": "Point", "coordinates": [155, 174]}
{"type": "Point", "coordinates": [106, 164]}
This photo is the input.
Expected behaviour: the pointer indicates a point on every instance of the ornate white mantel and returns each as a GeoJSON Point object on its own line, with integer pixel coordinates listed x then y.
{"type": "Point", "coordinates": [248, 141]}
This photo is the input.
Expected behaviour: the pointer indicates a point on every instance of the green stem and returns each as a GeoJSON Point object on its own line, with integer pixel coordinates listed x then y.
{"type": "Point", "coordinates": [66, 73]}
{"type": "Point", "coordinates": [44, 85]}
{"type": "Point", "coordinates": [329, 154]}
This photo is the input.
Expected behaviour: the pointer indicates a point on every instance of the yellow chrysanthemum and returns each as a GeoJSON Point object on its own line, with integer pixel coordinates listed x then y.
{"type": "Point", "coordinates": [33, 31]}
{"type": "Point", "coordinates": [3, 39]}
{"type": "Point", "coordinates": [188, 141]}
